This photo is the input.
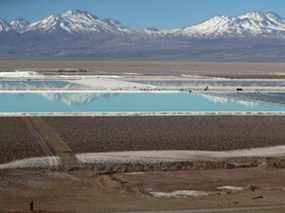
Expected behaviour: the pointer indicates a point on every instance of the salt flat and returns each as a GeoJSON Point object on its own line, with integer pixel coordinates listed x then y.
{"type": "Point", "coordinates": [148, 157]}
{"type": "Point", "coordinates": [135, 83]}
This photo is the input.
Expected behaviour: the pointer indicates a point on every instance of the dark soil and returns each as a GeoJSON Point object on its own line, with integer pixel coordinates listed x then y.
{"type": "Point", "coordinates": [169, 133]}
{"type": "Point", "coordinates": [16, 142]}
{"type": "Point", "coordinates": [103, 134]}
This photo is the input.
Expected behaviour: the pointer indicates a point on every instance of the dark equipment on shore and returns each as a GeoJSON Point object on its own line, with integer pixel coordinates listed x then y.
{"type": "Point", "coordinates": [257, 197]}
{"type": "Point", "coordinates": [252, 188]}
{"type": "Point", "coordinates": [82, 70]}
{"type": "Point", "coordinates": [239, 89]}
{"type": "Point", "coordinates": [32, 206]}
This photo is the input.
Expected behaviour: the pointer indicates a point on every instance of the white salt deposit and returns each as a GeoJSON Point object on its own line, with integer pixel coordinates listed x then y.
{"type": "Point", "coordinates": [39, 162]}
{"type": "Point", "coordinates": [147, 157]}
{"type": "Point", "coordinates": [19, 74]}
{"type": "Point", "coordinates": [230, 188]}
{"type": "Point", "coordinates": [179, 194]}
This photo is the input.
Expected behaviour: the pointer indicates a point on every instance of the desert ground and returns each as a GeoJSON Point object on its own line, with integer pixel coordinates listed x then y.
{"type": "Point", "coordinates": [240, 184]}
{"type": "Point", "coordinates": [220, 190]}
{"type": "Point", "coordinates": [145, 67]}
{"type": "Point", "coordinates": [142, 133]}
{"type": "Point", "coordinates": [146, 164]}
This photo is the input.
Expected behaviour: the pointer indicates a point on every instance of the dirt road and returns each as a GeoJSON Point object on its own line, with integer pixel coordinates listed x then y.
{"type": "Point", "coordinates": [52, 142]}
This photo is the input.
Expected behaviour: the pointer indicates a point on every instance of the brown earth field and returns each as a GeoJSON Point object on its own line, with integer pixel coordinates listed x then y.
{"type": "Point", "coordinates": [105, 134]}
{"type": "Point", "coordinates": [83, 191]}
{"type": "Point", "coordinates": [167, 67]}
{"type": "Point", "coordinates": [259, 189]}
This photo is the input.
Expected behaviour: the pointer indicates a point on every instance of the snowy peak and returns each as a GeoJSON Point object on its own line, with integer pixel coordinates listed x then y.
{"type": "Point", "coordinates": [254, 15]}
{"type": "Point", "coordinates": [214, 26]}
{"type": "Point", "coordinates": [264, 24]}
{"type": "Point", "coordinates": [261, 16]}
{"type": "Point", "coordinates": [78, 14]}
{"type": "Point", "coordinates": [76, 21]}
{"type": "Point", "coordinates": [47, 25]}
{"type": "Point", "coordinates": [4, 26]}
{"type": "Point", "coordinates": [115, 24]}
{"type": "Point", "coordinates": [19, 25]}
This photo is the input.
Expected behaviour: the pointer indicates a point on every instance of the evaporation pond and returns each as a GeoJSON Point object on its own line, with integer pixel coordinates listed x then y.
{"type": "Point", "coordinates": [133, 102]}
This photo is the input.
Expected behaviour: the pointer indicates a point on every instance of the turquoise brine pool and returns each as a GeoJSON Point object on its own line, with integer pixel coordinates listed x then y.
{"type": "Point", "coordinates": [137, 102]}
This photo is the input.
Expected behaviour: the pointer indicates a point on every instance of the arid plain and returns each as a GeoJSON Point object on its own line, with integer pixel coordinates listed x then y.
{"type": "Point", "coordinates": [244, 183]}
{"type": "Point", "coordinates": [149, 67]}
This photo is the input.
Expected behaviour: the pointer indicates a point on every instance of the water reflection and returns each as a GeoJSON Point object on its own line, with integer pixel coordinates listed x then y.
{"type": "Point", "coordinates": [141, 102]}
{"type": "Point", "coordinates": [215, 83]}
{"type": "Point", "coordinates": [247, 99]}
{"type": "Point", "coordinates": [36, 84]}
{"type": "Point", "coordinates": [76, 99]}
{"type": "Point", "coordinates": [224, 99]}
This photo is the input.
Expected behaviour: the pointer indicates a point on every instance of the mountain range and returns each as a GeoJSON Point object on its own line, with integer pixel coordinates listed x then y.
{"type": "Point", "coordinates": [250, 36]}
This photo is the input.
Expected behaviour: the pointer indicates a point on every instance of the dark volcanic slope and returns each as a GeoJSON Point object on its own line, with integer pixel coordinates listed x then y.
{"type": "Point", "coordinates": [144, 133]}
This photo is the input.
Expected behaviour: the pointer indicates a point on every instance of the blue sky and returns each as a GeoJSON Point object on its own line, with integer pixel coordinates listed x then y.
{"type": "Point", "coordinates": [141, 13]}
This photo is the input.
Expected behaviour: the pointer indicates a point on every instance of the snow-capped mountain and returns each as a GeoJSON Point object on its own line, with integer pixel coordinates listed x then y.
{"type": "Point", "coordinates": [251, 24]}
{"type": "Point", "coordinates": [19, 25]}
{"type": "Point", "coordinates": [76, 22]}
{"type": "Point", "coordinates": [78, 33]}
{"type": "Point", "coordinates": [4, 26]}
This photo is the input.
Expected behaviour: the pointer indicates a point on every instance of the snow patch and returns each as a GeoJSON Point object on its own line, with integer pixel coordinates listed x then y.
{"type": "Point", "coordinates": [19, 25]}
{"type": "Point", "coordinates": [4, 26]}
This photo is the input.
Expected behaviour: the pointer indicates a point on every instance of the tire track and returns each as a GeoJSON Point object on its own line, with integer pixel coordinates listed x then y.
{"type": "Point", "coordinates": [51, 143]}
